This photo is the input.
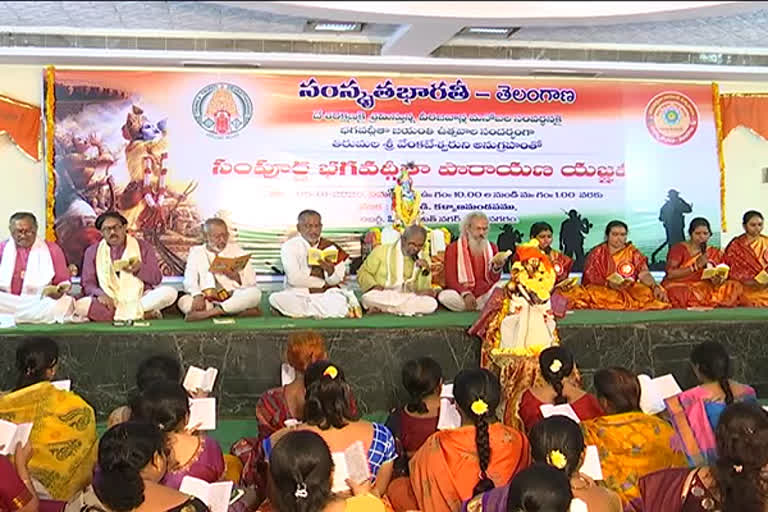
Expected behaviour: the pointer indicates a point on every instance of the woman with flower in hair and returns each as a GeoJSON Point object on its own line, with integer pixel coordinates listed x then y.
{"type": "Point", "coordinates": [631, 443]}
{"type": "Point", "coordinates": [327, 412]}
{"type": "Point", "coordinates": [736, 482]}
{"type": "Point", "coordinates": [558, 442]}
{"type": "Point", "coordinates": [559, 387]}
{"type": "Point", "coordinates": [454, 465]}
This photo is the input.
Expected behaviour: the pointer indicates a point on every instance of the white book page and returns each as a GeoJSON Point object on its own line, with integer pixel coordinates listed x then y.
{"type": "Point", "coordinates": [202, 411]}
{"type": "Point", "coordinates": [592, 467]}
{"type": "Point", "coordinates": [357, 462]}
{"type": "Point", "coordinates": [548, 410]}
{"type": "Point", "coordinates": [340, 473]}
{"type": "Point", "coordinates": [650, 400]}
{"type": "Point", "coordinates": [210, 379]}
{"type": "Point", "coordinates": [218, 496]}
{"type": "Point", "coordinates": [64, 385]}
{"type": "Point", "coordinates": [193, 380]}
{"type": "Point", "coordinates": [195, 487]}
{"type": "Point", "coordinates": [23, 430]}
{"type": "Point", "coordinates": [449, 416]}
{"type": "Point", "coordinates": [7, 434]}
{"type": "Point", "coordinates": [667, 386]}
{"type": "Point", "coordinates": [287, 374]}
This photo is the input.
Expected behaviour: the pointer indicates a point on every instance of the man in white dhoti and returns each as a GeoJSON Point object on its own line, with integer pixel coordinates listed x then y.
{"type": "Point", "coordinates": [220, 292]}
{"type": "Point", "coordinates": [314, 270]}
{"type": "Point", "coordinates": [396, 279]}
{"type": "Point", "coordinates": [121, 276]}
{"type": "Point", "coordinates": [473, 266]}
{"type": "Point", "coordinates": [34, 277]}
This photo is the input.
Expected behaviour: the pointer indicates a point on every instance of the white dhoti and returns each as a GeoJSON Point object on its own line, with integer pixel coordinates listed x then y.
{"type": "Point", "coordinates": [34, 309]}
{"type": "Point", "coordinates": [528, 327]}
{"type": "Point", "coordinates": [401, 303]}
{"type": "Point", "coordinates": [453, 300]}
{"type": "Point", "coordinates": [241, 300]}
{"type": "Point", "coordinates": [296, 303]}
{"type": "Point", "coordinates": [153, 300]}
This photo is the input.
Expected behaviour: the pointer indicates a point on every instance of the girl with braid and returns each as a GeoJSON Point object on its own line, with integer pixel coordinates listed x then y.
{"type": "Point", "coordinates": [696, 412]}
{"type": "Point", "coordinates": [560, 387]}
{"type": "Point", "coordinates": [455, 465]}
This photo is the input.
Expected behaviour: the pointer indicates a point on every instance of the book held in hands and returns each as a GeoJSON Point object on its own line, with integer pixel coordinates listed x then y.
{"type": "Point", "coordinates": [221, 264]}
{"type": "Point", "coordinates": [202, 414]}
{"type": "Point", "coordinates": [548, 410]}
{"type": "Point", "coordinates": [13, 435]}
{"type": "Point", "coordinates": [199, 379]}
{"type": "Point", "coordinates": [653, 392]}
{"type": "Point", "coordinates": [315, 256]}
{"type": "Point", "coordinates": [721, 270]}
{"type": "Point", "coordinates": [350, 464]}
{"type": "Point", "coordinates": [449, 416]}
{"type": "Point", "coordinates": [215, 495]}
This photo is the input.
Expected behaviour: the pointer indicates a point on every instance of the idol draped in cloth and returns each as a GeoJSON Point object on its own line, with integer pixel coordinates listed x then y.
{"type": "Point", "coordinates": [616, 277]}
{"type": "Point", "coordinates": [686, 263]}
{"type": "Point", "coordinates": [517, 325]}
{"type": "Point", "coordinates": [747, 255]}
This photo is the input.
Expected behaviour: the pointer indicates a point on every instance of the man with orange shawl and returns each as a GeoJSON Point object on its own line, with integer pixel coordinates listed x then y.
{"type": "Point", "coordinates": [747, 255]}
{"type": "Point", "coordinates": [616, 277]}
{"type": "Point", "coordinates": [686, 262]}
{"type": "Point", "coordinates": [517, 325]}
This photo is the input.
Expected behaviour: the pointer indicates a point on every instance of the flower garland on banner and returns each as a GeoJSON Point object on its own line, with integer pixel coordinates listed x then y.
{"type": "Point", "coordinates": [50, 182]}
{"type": "Point", "coordinates": [720, 158]}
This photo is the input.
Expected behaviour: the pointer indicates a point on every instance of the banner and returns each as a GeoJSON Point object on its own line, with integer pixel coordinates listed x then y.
{"type": "Point", "coordinates": [171, 148]}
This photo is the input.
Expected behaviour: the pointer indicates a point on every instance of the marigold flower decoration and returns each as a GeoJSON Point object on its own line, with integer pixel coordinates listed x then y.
{"type": "Point", "coordinates": [557, 459]}
{"type": "Point", "coordinates": [479, 407]}
{"type": "Point", "coordinates": [331, 372]}
{"type": "Point", "coordinates": [534, 270]}
{"type": "Point", "coordinates": [555, 366]}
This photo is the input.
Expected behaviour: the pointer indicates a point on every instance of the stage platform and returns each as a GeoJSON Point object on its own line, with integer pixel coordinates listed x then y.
{"type": "Point", "coordinates": [101, 359]}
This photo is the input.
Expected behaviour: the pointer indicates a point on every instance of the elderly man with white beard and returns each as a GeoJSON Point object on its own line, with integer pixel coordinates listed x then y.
{"type": "Point", "coordinates": [473, 266]}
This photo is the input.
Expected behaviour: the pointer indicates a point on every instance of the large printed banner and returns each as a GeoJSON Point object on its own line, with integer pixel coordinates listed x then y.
{"type": "Point", "coordinates": [171, 148]}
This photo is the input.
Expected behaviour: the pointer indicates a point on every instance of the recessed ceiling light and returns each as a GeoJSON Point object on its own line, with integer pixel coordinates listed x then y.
{"type": "Point", "coordinates": [334, 26]}
{"type": "Point", "coordinates": [501, 32]}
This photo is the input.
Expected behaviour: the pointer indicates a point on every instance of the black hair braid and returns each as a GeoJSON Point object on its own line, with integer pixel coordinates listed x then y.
{"type": "Point", "coordinates": [726, 385]}
{"type": "Point", "coordinates": [483, 444]}
{"type": "Point", "coordinates": [417, 405]}
{"type": "Point", "coordinates": [557, 384]}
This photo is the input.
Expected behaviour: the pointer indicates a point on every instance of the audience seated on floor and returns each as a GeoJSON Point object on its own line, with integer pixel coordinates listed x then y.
{"type": "Point", "coordinates": [63, 434]}
{"type": "Point", "coordinates": [413, 424]}
{"type": "Point", "coordinates": [539, 488]}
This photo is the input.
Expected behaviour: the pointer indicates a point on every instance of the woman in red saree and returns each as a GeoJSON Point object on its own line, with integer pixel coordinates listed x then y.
{"type": "Point", "coordinates": [616, 277]}
{"type": "Point", "coordinates": [737, 481]}
{"type": "Point", "coordinates": [685, 265]}
{"type": "Point", "coordinates": [747, 255]}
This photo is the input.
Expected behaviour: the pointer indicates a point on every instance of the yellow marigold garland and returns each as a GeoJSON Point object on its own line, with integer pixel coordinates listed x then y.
{"type": "Point", "coordinates": [720, 158]}
{"type": "Point", "coordinates": [50, 104]}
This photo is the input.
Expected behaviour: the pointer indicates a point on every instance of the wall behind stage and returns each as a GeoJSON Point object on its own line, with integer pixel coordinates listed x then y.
{"type": "Point", "coordinates": [23, 180]}
{"type": "Point", "coordinates": [746, 155]}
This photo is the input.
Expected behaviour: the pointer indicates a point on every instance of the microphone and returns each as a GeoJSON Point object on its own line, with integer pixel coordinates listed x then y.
{"type": "Point", "coordinates": [425, 271]}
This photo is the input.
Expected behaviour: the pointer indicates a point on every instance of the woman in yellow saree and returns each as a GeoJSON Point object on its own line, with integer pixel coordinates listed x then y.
{"type": "Point", "coordinates": [631, 443]}
{"type": "Point", "coordinates": [63, 435]}
{"type": "Point", "coordinates": [616, 277]}
{"type": "Point", "coordinates": [747, 255]}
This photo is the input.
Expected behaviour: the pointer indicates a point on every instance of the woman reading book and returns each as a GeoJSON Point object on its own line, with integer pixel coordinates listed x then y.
{"type": "Point", "coordinates": [747, 255]}
{"type": "Point", "coordinates": [616, 277]}
{"type": "Point", "coordinates": [696, 275]}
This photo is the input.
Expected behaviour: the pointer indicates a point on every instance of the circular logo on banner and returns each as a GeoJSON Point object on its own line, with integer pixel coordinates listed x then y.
{"type": "Point", "coordinates": [222, 109]}
{"type": "Point", "coordinates": [672, 118]}
{"type": "Point", "coordinates": [626, 269]}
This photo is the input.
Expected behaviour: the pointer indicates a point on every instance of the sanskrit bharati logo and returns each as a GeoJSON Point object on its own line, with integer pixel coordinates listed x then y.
{"type": "Point", "coordinates": [222, 109]}
{"type": "Point", "coordinates": [672, 118]}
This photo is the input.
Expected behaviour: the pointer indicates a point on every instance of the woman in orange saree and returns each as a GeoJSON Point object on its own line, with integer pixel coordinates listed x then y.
{"type": "Point", "coordinates": [616, 277]}
{"type": "Point", "coordinates": [747, 255]}
{"type": "Point", "coordinates": [685, 265]}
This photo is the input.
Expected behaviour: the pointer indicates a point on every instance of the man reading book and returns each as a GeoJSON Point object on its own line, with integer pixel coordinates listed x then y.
{"type": "Point", "coordinates": [312, 283]}
{"type": "Point", "coordinates": [218, 278]}
{"type": "Point", "coordinates": [34, 277]}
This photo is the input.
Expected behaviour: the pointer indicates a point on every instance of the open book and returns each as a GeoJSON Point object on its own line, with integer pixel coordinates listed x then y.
{"type": "Point", "coordinates": [351, 464]}
{"type": "Point", "coordinates": [548, 410]}
{"type": "Point", "coordinates": [119, 265]}
{"type": "Point", "coordinates": [222, 264]}
{"type": "Point", "coordinates": [653, 392]}
{"type": "Point", "coordinates": [721, 270]}
{"type": "Point", "coordinates": [618, 279]}
{"type": "Point", "coordinates": [449, 414]}
{"type": "Point", "coordinates": [762, 277]}
{"type": "Point", "coordinates": [56, 288]}
{"type": "Point", "coordinates": [64, 385]}
{"type": "Point", "coordinates": [315, 256]}
{"type": "Point", "coordinates": [11, 435]}
{"type": "Point", "coordinates": [287, 374]}
{"type": "Point", "coordinates": [216, 495]}
{"type": "Point", "coordinates": [591, 466]}
{"type": "Point", "coordinates": [197, 378]}
{"type": "Point", "coordinates": [202, 411]}
{"type": "Point", "coordinates": [567, 282]}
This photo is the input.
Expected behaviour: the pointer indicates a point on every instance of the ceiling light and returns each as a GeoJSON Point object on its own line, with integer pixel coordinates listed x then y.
{"type": "Point", "coordinates": [499, 32]}
{"type": "Point", "coordinates": [333, 26]}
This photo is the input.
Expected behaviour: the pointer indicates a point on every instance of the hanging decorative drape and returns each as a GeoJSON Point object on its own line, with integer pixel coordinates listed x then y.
{"type": "Point", "coordinates": [21, 122]}
{"type": "Point", "coordinates": [50, 197]}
